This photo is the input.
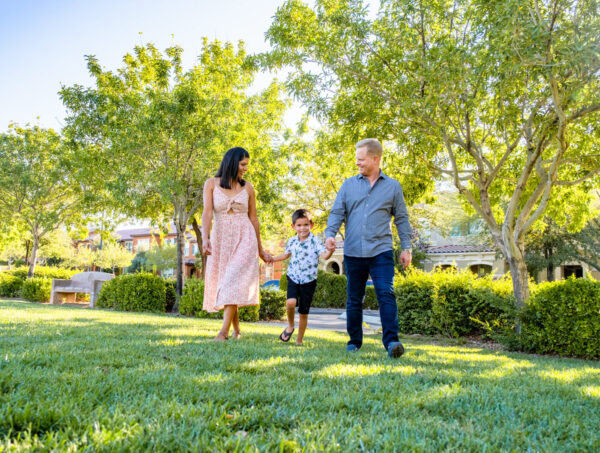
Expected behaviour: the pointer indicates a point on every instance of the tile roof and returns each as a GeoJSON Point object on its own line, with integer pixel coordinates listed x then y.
{"type": "Point", "coordinates": [459, 249]}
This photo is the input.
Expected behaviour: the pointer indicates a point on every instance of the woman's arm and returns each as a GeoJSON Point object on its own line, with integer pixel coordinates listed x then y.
{"type": "Point", "coordinates": [207, 215]}
{"type": "Point", "coordinates": [254, 220]}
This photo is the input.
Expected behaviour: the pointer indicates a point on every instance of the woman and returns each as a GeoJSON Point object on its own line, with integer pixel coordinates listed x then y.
{"type": "Point", "coordinates": [231, 278]}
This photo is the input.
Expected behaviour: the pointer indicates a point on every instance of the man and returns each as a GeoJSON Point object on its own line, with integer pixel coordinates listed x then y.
{"type": "Point", "coordinates": [367, 202]}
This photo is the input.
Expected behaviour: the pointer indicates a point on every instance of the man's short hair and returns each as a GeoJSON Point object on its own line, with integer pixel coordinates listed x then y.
{"type": "Point", "coordinates": [373, 146]}
{"type": "Point", "coordinates": [301, 214]}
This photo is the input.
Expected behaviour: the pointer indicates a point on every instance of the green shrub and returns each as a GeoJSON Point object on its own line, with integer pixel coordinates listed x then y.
{"type": "Point", "coordinates": [563, 318]}
{"type": "Point", "coordinates": [370, 302]}
{"type": "Point", "coordinates": [37, 289]}
{"type": "Point", "coordinates": [43, 271]}
{"type": "Point", "coordinates": [272, 304]}
{"type": "Point", "coordinates": [330, 291]}
{"type": "Point", "coordinates": [134, 292]}
{"type": "Point", "coordinates": [283, 282]}
{"type": "Point", "coordinates": [170, 294]}
{"type": "Point", "coordinates": [452, 303]}
{"type": "Point", "coordinates": [10, 285]}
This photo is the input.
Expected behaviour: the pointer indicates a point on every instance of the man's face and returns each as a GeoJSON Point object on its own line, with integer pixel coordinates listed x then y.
{"type": "Point", "coordinates": [367, 164]}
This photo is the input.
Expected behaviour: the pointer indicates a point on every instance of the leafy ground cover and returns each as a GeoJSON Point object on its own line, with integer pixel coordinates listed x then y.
{"type": "Point", "coordinates": [73, 378]}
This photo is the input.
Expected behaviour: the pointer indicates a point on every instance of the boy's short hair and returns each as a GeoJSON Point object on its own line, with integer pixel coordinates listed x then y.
{"type": "Point", "coordinates": [373, 146]}
{"type": "Point", "coordinates": [301, 214]}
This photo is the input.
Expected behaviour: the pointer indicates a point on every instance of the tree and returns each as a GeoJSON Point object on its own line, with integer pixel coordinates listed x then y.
{"type": "Point", "coordinates": [11, 244]}
{"type": "Point", "coordinates": [158, 133]}
{"type": "Point", "coordinates": [554, 245]}
{"type": "Point", "coordinates": [112, 255]}
{"type": "Point", "coordinates": [36, 183]}
{"type": "Point", "coordinates": [162, 258]}
{"type": "Point", "coordinates": [500, 96]}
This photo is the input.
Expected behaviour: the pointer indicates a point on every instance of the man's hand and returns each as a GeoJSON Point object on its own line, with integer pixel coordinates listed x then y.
{"type": "Point", "coordinates": [330, 244]}
{"type": "Point", "coordinates": [405, 258]}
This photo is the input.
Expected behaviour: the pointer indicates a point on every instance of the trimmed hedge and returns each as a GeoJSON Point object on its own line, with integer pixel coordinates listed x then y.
{"type": "Point", "coordinates": [50, 272]}
{"type": "Point", "coordinates": [37, 289]}
{"type": "Point", "coordinates": [272, 304]}
{"type": "Point", "coordinates": [134, 292]}
{"type": "Point", "coordinates": [451, 303]}
{"type": "Point", "coordinates": [563, 318]}
{"type": "Point", "coordinates": [10, 285]}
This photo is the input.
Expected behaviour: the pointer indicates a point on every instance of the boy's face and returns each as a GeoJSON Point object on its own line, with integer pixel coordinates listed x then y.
{"type": "Point", "coordinates": [302, 227]}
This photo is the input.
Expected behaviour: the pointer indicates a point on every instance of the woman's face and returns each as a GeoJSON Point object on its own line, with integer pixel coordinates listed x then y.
{"type": "Point", "coordinates": [243, 167]}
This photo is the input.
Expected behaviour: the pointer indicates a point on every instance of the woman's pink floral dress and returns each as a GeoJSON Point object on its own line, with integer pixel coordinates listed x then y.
{"type": "Point", "coordinates": [232, 269]}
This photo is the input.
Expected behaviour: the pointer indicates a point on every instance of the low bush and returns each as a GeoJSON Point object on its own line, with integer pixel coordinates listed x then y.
{"type": "Point", "coordinates": [10, 285]}
{"type": "Point", "coordinates": [134, 292]}
{"type": "Point", "coordinates": [563, 318]}
{"type": "Point", "coordinates": [44, 271]}
{"type": "Point", "coordinates": [37, 289]}
{"type": "Point", "coordinates": [453, 304]}
{"type": "Point", "coordinates": [170, 294]}
{"type": "Point", "coordinates": [272, 304]}
{"type": "Point", "coordinates": [193, 297]}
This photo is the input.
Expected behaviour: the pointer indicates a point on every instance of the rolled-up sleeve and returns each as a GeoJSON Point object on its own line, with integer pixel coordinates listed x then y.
{"type": "Point", "coordinates": [337, 214]}
{"type": "Point", "coordinates": [401, 219]}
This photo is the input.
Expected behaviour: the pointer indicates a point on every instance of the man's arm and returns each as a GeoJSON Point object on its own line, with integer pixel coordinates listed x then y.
{"type": "Point", "coordinates": [402, 226]}
{"type": "Point", "coordinates": [336, 217]}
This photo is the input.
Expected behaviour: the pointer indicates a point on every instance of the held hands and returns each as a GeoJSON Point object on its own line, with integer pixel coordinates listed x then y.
{"type": "Point", "coordinates": [330, 244]}
{"type": "Point", "coordinates": [405, 258]}
{"type": "Point", "coordinates": [266, 257]}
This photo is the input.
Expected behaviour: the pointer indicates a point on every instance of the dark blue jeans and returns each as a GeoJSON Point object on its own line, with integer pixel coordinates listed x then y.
{"type": "Point", "coordinates": [381, 269]}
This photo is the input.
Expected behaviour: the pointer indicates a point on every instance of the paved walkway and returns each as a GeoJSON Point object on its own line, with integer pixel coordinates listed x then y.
{"type": "Point", "coordinates": [334, 319]}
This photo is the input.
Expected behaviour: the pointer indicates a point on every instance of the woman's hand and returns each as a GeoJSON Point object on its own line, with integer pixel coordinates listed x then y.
{"type": "Point", "coordinates": [266, 257]}
{"type": "Point", "coordinates": [206, 247]}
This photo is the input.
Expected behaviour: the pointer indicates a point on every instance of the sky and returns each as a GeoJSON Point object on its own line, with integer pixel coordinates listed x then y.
{"type": "Point", "coordinates": [43, 44]}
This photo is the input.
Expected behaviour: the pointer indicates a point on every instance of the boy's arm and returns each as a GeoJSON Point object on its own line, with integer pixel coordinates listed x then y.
{"type": "Point", "coordinates": [283, 256]}
{"type": "Point", "coordinates": [327, 254]}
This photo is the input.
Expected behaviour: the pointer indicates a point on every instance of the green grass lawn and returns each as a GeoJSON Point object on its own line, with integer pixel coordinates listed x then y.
{"type": "Point", "coordinates": [74, 378]}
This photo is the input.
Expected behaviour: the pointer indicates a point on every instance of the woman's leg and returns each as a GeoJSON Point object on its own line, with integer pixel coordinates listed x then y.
{"type": "Point", "coordinates": [236, 324]}
{"type": "Point", "coordinates": [228, 314]}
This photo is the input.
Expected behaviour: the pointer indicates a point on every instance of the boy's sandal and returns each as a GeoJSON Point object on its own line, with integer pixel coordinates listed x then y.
{"type": "Point", "coordinates": [285, 335]}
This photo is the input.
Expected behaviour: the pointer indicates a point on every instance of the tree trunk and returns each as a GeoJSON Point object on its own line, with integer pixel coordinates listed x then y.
{"type": "Point", "coordinates": [27, 243]}
{"type": "Point", "coordinates": [34, 251]}
{"type": "Point", "coordinates": [198, 234]}
{"type": "Point", "coordinates": [180, 267]}
{"type": "Point", "coordinates": [515, 255]}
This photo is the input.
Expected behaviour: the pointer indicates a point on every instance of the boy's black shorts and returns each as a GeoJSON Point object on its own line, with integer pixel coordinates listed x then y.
{"type": "Point", "coordinates": [303, 293]}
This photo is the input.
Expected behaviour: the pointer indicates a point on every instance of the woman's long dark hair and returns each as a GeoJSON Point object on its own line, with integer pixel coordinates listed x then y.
{"type": "Point", "coordinates": [229, 169]}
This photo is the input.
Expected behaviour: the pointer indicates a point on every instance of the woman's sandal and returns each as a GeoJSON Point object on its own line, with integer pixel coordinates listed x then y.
{"type": "Point", "coordinates": [285, 335]}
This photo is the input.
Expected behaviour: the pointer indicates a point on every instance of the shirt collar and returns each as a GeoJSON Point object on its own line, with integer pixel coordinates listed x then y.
{"type": "Point", "coordinates": [381, 176]}
{"type": "Point", "coordinates": [307, 238]}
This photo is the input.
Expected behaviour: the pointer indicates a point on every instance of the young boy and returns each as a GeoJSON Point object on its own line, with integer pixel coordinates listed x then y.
{"type": "Point", "coordinates": [305, 250]}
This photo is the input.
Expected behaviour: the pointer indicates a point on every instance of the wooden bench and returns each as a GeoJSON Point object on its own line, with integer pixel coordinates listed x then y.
{"type": "Point", "coordinates": [84, 282]}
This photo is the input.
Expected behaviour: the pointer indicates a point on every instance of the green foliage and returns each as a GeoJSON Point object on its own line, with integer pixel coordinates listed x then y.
{"type": "Point", "coordinates": [37, 185]}
{"type": "Point", "coordinates": [44, 271]}
{"type": "Point", "coordinates": [453, 304]}
{"type": "Point", "coordinates": [272, 304]}
{"type": "Point", "coordinates": [162, 257]}
{"type": "Point", "coordinates": [112, 255]}
{"type": "Point", "coordinates": [139, 263]}
{"type": "Point", "coordinates": [10, 285]}
{"type": "Point", "coordinates": [134, 292]}
{"type": "Point", "coordinates": [170, 294]}
{"type": "Point", "coordinates": [37, 289]}
{"type": "Point", "coordinates": [563, 318]}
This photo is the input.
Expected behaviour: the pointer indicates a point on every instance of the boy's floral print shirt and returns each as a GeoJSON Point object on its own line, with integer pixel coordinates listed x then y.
{"type": "Point", "coordinates": [304, 261]}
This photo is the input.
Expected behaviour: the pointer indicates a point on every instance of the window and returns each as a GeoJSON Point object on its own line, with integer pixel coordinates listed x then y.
{"type": "Point", "coordinates": [170, 241]}
{"type": "Point", "coordinates": [143, 244]}
{"type": "Point", "coordinates": [577, 271]}
{"type": "Point", "coordinates": [129, 246]}
{"type": "Point", "coordinates": [168, 273]}
{"type": "Point", "coordinates": [194, 248]}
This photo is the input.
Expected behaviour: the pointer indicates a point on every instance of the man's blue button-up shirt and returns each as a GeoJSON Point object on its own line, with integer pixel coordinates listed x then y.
{"type": "Point", "coordinates": [368, 211]}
